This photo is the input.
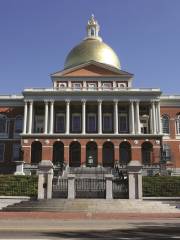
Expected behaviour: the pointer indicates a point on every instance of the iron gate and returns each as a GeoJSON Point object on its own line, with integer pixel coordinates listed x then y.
{"type": "Point", "coordinates": [60, 188]}
{"type": "Point", "coordinates": [120, 188]}
{"type": "Point", "coordinates": [90, 188]}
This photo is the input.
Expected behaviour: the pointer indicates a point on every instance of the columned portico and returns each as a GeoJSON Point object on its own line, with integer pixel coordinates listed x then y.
{"type": "Point", "coordinates": [25, 117]}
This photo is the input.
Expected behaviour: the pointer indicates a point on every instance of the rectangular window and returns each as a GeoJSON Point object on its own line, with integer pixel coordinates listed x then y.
{"type": "Point", "coordinates": [92, 86]}
{"type": "Point", "coordinates": [39, 124]}
{"type": "Point", "coordinates": [2, 150]}
{"type": "Point", "coordinates": [107, 122]}
{"type": "Point", "coordinates": [16, 152]}
{"type": "Point", "coordinates": [60, 123]}
{"type": "Point", "coordinates": [76, 122]}
{"type": "Point", "coordinates": [91, 122]}
{"type": "Point", "coordinates": [107, 86]}
{"type": "Point", "coordinates": [77, 86]}
{"type": "Point", "coordinates": [123, 123]}
{"type": "Point", "coordinates": [18, 124]}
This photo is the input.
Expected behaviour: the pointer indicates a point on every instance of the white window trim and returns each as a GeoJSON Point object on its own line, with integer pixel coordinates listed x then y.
{"type": "Point", "coordinates": [166, 134]}
{"type": "Point", "coordinates": [61, 115]}
{"type": "Point", "coordinates": [35, 123]}
{"type": "Point", "coordinates": [177, 129]}
{"type": "Point", "coordinates": [3, 152]}
{"type": "Point", "coordinates": [125, 115]}
{"type": "Point", "coordinates": [76, 115]}
{"type": "Point", "coordinates": [109, 115]}
{"type": "Point", "coordinates": [91, 115]}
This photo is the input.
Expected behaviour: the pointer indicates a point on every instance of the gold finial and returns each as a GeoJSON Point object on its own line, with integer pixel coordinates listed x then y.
{"type": "Point", "coordinates": [93, 28]}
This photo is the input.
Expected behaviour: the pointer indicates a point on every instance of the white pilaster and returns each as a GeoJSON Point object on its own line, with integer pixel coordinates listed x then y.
{"type": "Point", "coordinates": [51, 117]}
{"type": "Point", "coordinates": [25, 117]}
{"type": "Point", "coordinates": [100, 116]}
{"type": "Point", "coordinates": [67, 116]}
{"type": "Point", "coordinates": [116, 117]}
{"type": "Point", "coordinates": [46, 117]}
{"type": "Point", "coordinates": [154, 117]}
{"type": "Point", "coordinates": [131, 117]}
{"type": "Point", "coordinates": [30, 117]}
{"type": "Point", "coordinates": [151, 119]}
{"type": "Point", "coordinates": [158, 117]}
{"type": "Point", "coordinates": [83, 116]}
{"type": "Point", "coordinates": [138, 130]}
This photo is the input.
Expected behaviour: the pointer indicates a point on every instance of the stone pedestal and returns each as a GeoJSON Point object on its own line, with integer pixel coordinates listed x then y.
{"type": "Point", "coordinates": [109, 187]}
{"type": "Point", "coordinates": [45, 177]}
{"type": "Point", "coordinates": [71, 186]}
{"type": "Point", "coordinates": [19, 168]}
{"type": "Point", "coordinates": [135, 179]}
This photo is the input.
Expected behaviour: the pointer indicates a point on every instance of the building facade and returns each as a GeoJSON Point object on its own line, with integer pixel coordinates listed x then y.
{"type": "Point", "coordinates": [91, 117]}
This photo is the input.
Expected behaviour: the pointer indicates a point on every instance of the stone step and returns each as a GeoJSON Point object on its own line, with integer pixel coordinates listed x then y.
{"type": "Point", "coordinates": [94, 205]}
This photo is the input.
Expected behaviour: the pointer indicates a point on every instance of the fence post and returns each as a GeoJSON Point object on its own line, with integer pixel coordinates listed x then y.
{"type": "Point", "coordinates": [109, 186]}
{"type": "Point", "coordinates": [135, 179]}
{"type": "Point", "coordinates": [19, 168]}
{"type": "Point", "coordinates": [71, 186]}
{"type": "Point", "coordinates": [45, 177]}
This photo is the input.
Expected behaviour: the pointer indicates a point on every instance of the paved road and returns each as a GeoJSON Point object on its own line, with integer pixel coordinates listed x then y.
{"type": "Point", "coordinates": [89, 229]}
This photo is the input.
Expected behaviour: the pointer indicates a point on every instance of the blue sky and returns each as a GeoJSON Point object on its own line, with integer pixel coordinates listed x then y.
{"type": "Point", "coordinates": [36, 36]}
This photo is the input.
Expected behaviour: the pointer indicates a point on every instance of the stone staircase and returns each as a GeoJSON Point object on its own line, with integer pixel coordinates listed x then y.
{"type": "Point", "coordinates": [5, 201]}
{"type": "Point", "coordinates": [93, 206]}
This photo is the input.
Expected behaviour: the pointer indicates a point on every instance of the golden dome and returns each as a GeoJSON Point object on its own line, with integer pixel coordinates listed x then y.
{"type": "Point", "coordinates": [92, 49]}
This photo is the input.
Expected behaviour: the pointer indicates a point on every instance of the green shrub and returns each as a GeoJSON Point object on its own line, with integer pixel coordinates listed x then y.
{"type": "Point", "coordinates": [161, 186]}
{"type": "Point", "coordinates": [11, 185]}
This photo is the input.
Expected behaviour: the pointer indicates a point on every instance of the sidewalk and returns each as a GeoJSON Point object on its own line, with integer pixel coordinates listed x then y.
{"type": "Point", "coordinates": [86, 216]}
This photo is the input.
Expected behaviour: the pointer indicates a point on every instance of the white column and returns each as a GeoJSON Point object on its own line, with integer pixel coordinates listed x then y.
{"type": "Point", "coordinates": [138, 130]}
{"type": "Point", "coordinates": [116, 119]}
{"type": "Point", "coordinates": [151, 119]}
{"type": "Point", "coordinates": [67, 116]}
{"type": "Point", "coordinates": [154, 117]}
{"type": "Point", "coordinates": [46, 117]}
{"type": "Point", "coordinates": [100, 116]}
{"type": "Point", "coordinates": [83, 116]}
{"type": "Point", "coordinates": [158, 117]}
{"type": "Point", "coordinates": [30, 117]}
{"type": "Point", "coordinates": [131, 117]}
{"type": "Point", "coordinates": [51, 117]}
{"type": "Point", "coordinates": [25, 117]}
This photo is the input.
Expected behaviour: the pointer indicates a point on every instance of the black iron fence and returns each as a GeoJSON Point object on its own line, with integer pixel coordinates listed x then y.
{"type": "Point", "coordinates": [120, 188]}
{"type": "Point", "coordinates": [60, 188]}
{"type": "Point", "coordinates": [90, 188]}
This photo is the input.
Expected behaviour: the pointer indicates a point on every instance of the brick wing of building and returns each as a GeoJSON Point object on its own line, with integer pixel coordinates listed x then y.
{"type": "Point", "coordinates": [91, 117]}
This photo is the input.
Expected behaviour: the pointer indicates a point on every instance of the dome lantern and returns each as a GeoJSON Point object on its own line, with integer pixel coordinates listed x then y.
{"type": "Point", "coordinates": [93, 28]}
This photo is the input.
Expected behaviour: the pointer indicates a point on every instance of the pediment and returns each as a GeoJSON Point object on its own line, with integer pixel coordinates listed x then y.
{"type": "Point", "coordinates": [91, 69]}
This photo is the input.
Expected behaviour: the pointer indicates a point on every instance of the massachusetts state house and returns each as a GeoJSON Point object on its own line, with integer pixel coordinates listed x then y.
{"type": "Point", "coordinates": [91, 117]}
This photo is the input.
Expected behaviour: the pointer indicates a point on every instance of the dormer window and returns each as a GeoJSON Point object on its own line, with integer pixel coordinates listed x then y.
{"type": "Point", "coordinates": [121, 85]}
{"type": "Point", "coordinates": [62, 85]}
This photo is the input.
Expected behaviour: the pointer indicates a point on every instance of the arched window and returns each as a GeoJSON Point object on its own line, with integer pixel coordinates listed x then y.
{"type": "Point", "coordinates": [91, 154]}
{"type": "Point", "coordinates": [108, 154]}
{"type": "Point", "coordinates": [165, 124]}
{"type": "Point", "coordinates": [178, 123]}
{"type": "Point", "coordinates": [36, 152]}
{"type": "Point", "coordinates": [75, 154]}
{"type": "Point", "coordinates": [147, 152]}
{"type": "Point", "coordinates": [58, 153]}
{"type": "Point", "coordinates": [3, 124]}
{"type": "Point", "coordinates": [125, 153]}
{"type": "Point", "coordinates": [18, 124]}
